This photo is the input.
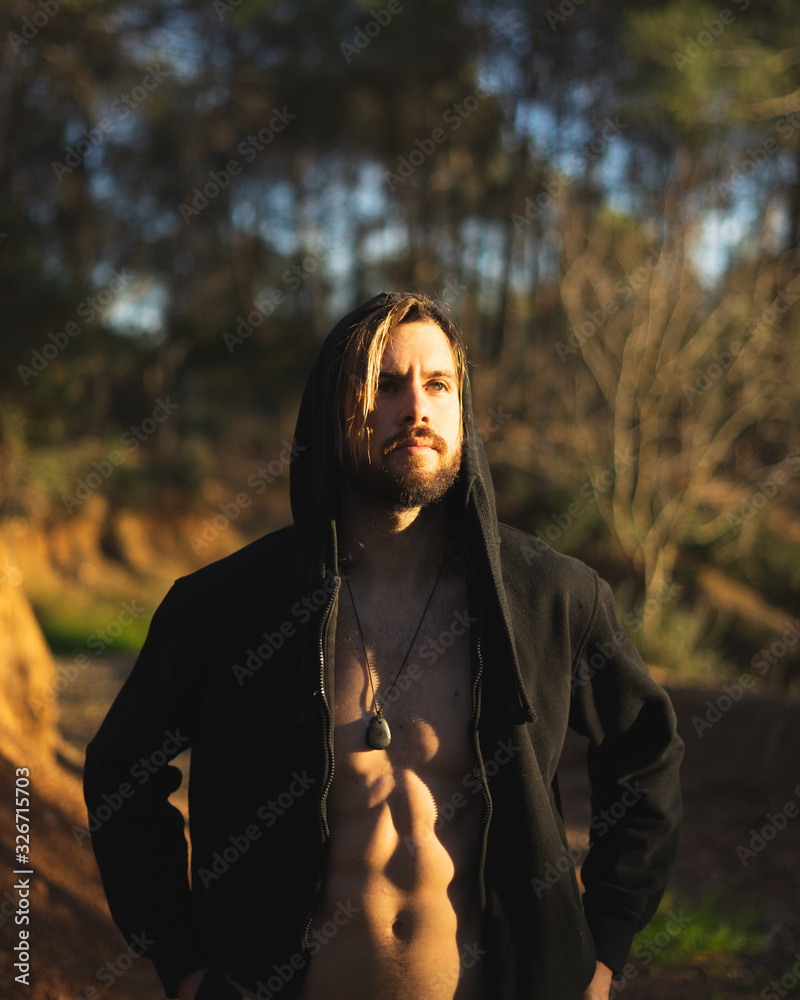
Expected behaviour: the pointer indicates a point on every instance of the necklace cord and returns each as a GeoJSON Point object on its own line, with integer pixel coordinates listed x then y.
{"type": "Point", "coordinates": [376, 709]}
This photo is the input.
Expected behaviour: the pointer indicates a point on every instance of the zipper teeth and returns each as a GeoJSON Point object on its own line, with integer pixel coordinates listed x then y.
{"type": "Point", "coordinates": [476, 748]}
{"type": "Point", "coordinates": [328, 721]}
{"type": "Point", "coordinates": [487, 800]}
{"type": "Point", "coordinates": [329, 749]}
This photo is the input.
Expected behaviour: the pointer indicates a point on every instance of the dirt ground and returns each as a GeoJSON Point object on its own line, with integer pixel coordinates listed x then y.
{"type": "Point", "coordinates": [738, 770]}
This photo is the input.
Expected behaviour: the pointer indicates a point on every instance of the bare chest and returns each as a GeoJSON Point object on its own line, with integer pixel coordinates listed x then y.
{"type": "Point", "coordinates": [418, 677]}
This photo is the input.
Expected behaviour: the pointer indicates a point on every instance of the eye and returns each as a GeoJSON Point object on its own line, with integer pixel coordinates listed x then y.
{"type": "Point", "coordinates": [384, 386]}
{"type": "Point", "coordinates": [439, 386]}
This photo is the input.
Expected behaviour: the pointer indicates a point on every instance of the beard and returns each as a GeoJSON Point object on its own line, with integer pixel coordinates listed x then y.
{"type": "Point", "coordinates": [412, 485]}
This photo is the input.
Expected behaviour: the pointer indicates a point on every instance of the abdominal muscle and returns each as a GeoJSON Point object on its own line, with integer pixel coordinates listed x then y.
{"type": "Point", "coordinates": [398, 917]}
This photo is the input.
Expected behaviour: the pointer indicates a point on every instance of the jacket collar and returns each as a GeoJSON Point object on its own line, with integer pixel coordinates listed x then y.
{"type": "Point", "coordinates": [315, 486]}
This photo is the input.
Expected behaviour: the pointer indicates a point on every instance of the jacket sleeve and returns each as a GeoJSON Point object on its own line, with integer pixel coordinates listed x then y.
{"type": "Point", "coordinates": [137, 835]}
{"type": "Point", "coordinates": [633, 758]}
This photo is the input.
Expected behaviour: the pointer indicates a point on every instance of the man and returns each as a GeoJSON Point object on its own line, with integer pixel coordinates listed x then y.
{"type": "Point", "coordinates": [376, 699]}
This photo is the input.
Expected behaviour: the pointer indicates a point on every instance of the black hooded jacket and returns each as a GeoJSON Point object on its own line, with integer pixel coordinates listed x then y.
{"type": "Point", "coordinates": [238, 664]}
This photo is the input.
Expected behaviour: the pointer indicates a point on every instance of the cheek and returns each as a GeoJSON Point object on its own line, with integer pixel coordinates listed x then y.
{"type": "Point", "coordinates": [451, 425]}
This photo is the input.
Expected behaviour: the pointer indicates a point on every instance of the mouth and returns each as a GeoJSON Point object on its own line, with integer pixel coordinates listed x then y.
{"type": "Point", "coordinates": [415, 444]}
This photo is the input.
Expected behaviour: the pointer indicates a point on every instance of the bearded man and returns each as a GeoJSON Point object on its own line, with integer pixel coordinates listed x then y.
{"type": "Point", "coordinates": [376, 699]}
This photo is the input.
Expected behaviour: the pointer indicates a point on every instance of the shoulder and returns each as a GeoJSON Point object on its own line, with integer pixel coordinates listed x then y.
{"type": "Point", "coordinates": [267, 561]}
{"type": "Point", "coordinates": [528, 561]}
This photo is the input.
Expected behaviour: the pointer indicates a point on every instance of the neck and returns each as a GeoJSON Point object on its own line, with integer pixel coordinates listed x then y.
{"type": "Point", "coordinates": [404, 546]}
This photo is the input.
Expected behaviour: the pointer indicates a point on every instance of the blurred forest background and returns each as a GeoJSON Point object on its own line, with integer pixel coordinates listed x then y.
{"type": "Point", "coordinates": [605, 196]}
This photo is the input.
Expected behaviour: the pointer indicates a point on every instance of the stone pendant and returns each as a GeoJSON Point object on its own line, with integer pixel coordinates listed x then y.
{"type": "Point", "coordinates": [379, 735]}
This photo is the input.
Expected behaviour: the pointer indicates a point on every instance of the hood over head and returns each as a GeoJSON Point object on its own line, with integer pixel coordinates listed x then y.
{"type": "Point", "coordinates": [316, 476]}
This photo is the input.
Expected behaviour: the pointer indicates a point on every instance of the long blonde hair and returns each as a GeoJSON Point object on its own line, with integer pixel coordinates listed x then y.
{"type": "Point", "coordinates": [360, 367]}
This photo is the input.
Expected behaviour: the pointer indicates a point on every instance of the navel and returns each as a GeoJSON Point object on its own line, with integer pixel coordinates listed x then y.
{"type": "Point", "coordinates": [402, 928]}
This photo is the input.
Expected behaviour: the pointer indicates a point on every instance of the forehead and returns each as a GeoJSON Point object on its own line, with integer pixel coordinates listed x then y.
{"type": "Point", "coordinates": [421, 344]}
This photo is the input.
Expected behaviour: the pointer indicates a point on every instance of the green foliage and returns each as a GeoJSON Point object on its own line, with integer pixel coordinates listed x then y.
{"type": "Point", "coordinates": [55, 478]}
{"type": "Point", "coordinates": [592, 103]}
{"type": "Point", "coordinates": [767, 557]}
{"type": "Point", "coordinates": [88, 625]}
{"type": "Point", "coordinates": [686, 930]}
{"type": "Point", "coordinates": [683, 640]}
{"type": "Point", "coordinates": [711, 71]}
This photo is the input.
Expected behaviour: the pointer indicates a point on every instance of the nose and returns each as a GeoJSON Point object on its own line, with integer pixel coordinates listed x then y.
{"type": "Point", "coordinates": [414, 408]}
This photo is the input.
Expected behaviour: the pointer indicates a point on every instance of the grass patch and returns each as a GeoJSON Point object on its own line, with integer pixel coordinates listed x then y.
{"type": "Point", "coordinates": [684, 640]}
{"type": "Point", "coordinates": [683, 931]}
{"type": "Point", "coordinates": [92, 629]}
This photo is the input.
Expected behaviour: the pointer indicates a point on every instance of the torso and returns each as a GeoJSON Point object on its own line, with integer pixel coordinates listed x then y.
{"type": "Point", "coordinates": [398, 917]}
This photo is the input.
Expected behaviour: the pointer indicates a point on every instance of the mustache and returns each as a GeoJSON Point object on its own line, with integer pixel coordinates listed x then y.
{"type": "Point", "coordinates": [418, 436]}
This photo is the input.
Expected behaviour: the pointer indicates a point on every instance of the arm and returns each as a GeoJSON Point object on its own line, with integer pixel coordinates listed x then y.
{"type": "Point", "coordinates": [634, 756]}
{"type": "Point", "coordinates": [137, 836]}
{"type": "Point", "coordinates": [600, 986]}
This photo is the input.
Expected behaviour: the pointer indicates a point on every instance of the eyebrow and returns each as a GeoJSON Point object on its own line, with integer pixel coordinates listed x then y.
{"type": "Point", "coordinates": [438, 373]}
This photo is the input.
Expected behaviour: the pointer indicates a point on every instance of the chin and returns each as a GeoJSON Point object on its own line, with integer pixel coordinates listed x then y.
{"type": "Point", "coordinates": [408, 488]}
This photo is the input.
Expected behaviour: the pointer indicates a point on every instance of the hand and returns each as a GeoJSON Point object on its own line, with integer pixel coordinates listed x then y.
{"type": "Point", "coordinates": [188, 986]}
{"type": "Point", "coordinates": [599, 987]}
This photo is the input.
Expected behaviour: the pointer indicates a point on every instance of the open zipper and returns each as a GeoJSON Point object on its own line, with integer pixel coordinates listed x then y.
{"type": "Point", "coordinates": [328, 724]}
